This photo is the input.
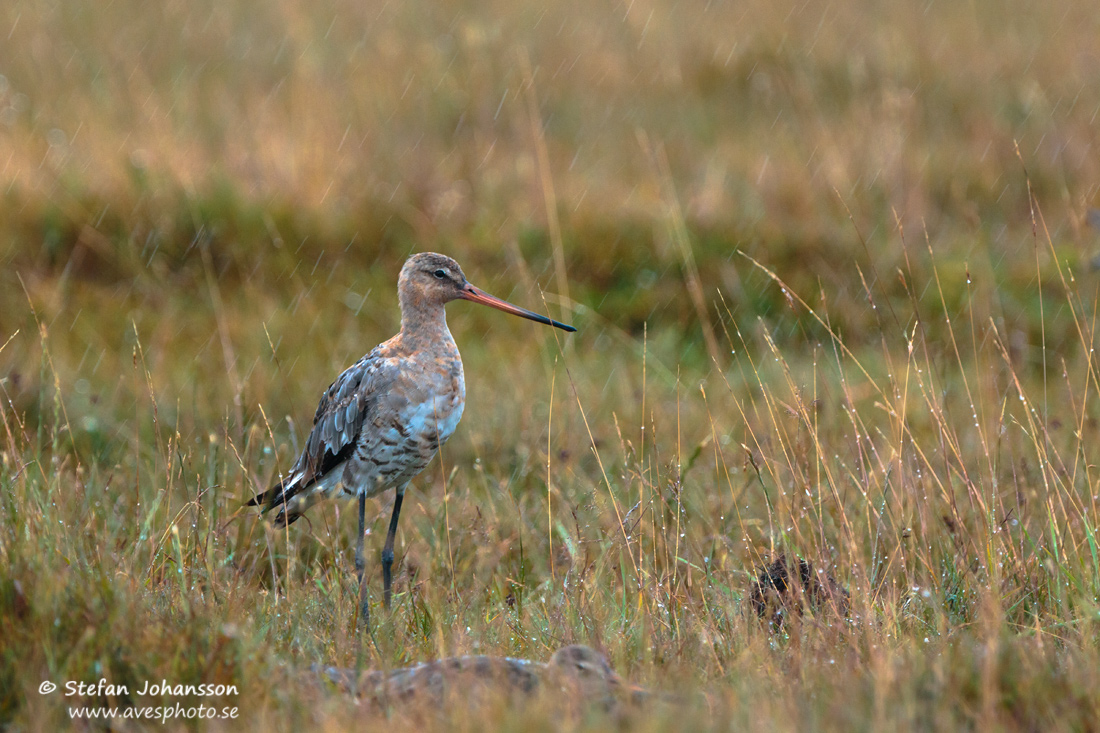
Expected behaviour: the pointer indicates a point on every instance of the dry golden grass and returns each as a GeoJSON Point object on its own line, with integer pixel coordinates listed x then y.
{"type": "Point", "coordinates": [830, 267]}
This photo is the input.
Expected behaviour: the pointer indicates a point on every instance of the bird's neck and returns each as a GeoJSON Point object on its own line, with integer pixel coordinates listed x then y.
{"type": "Point", "coordinates": [425, 325]}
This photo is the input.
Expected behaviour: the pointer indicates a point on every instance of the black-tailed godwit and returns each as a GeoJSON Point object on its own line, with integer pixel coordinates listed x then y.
{"type": "Point", "coordinates": [383, 420]}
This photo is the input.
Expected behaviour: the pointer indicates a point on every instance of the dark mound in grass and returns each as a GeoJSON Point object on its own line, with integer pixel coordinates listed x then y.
{"type": "Point", "coordinates": [787, 586]}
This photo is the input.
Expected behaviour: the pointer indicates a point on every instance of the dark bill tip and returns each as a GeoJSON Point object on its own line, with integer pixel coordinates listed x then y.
{"type": "Point", "coordinates": [477, 295]}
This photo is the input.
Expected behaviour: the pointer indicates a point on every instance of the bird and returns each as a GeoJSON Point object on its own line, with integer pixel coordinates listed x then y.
{"type": "Point", "coordinates": [384, 418]}
{"type": "Point", "coordinates": [576, 672]}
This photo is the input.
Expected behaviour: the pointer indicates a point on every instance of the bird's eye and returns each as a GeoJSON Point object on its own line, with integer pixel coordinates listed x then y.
{"type": "Point", "coordinates": [441, 274]}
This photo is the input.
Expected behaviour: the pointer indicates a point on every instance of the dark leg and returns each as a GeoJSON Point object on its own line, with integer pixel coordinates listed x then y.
{"type": "Point", "coordinates": [360, 564]}
{"type": "Point", "coordinates": [387, 549]}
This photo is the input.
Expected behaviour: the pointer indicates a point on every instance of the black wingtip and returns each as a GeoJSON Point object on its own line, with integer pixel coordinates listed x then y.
{"type": "Point", "coordinates": [282, 519]}
{"type": "Point", "coordinates": [266, 500]}
{"type": "Point", "coordinates": [270, 499]}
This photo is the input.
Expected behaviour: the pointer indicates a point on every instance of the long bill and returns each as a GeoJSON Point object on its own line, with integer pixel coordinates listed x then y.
{"type": "Point", "coordinates": [477, 295]}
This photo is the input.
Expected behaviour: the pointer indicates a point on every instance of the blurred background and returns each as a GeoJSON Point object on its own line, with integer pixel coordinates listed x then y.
{"type": "Point", "coordinates": [314, 145]}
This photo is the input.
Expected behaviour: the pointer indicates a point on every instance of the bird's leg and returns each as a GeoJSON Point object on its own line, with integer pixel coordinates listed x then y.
{"type": "Point", "coordinates": [387, 549]}
{"type": "Point", "coordinates": [360, 563]}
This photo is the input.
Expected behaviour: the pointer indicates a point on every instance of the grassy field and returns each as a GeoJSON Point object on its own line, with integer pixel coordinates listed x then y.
{"type": "Point", "coordinates": [831, 267]}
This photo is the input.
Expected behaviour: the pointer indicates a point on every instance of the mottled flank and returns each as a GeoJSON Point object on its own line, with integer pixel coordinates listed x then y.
{"type": "Point", "coordinates": [575, 674]}
{"type": "Point", "coordinates": [779, 593]}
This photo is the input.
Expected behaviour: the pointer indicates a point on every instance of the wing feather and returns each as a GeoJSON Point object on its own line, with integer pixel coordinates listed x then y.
{"type": "Point", "coordinates": [339, 419]}
{"type": "Point", "coordinates": [353, 416]}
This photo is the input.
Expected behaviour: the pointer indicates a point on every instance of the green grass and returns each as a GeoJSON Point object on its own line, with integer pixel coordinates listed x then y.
{"type": "Point", "coordinates": [830, 268]}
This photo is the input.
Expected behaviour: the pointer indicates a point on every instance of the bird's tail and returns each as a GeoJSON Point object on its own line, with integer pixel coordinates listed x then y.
{"type": "Point", "coordinates": [280, 495]}
{"type": "Point", "coordinates": [293, 496]}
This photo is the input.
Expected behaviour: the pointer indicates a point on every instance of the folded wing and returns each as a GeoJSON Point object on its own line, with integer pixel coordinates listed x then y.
{"type": "Point", "coordinates": [336, 427]}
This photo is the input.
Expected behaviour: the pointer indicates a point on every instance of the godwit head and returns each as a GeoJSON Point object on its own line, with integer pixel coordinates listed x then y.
{"type": "Point", "coordinates": [428, 281]}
